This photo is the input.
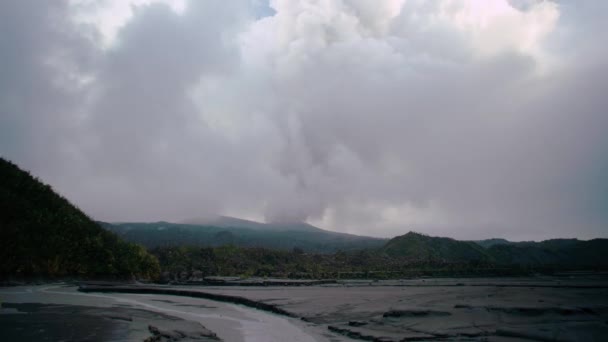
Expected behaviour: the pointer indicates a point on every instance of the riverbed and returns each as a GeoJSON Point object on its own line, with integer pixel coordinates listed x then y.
{"type": "Point", "coordinates": [565, 308]}
{"type": "Point", "coordinates": [126, 317]}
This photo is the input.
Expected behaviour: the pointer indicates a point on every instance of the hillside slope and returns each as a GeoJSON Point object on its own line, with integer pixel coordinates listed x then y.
{"type": "Point", "coordinates": [570, 253]}
{"type": "Point", "coordinates": [422, 247]}
{"type": "Point", "coordinates": [231, 231]}
{"type": "Point", "coordinates": [492, 242]}
{"type": "Point", "coordinates": [42, 234]}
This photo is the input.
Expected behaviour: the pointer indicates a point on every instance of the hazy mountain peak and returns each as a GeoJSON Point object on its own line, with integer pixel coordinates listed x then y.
{"type": "Point", "coordinates": [234, 222]}
{"type": "Point", "coordinates": [224, 221]}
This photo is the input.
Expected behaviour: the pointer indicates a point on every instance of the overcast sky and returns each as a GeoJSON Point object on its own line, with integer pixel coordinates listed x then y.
{"type": "Point", "coordinates": [468, 119]}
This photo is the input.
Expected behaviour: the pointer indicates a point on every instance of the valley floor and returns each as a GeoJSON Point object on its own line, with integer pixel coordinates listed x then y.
{"type": "Point", "coordinates": [62, 313]}
{"type": "Point", "coordinates": [494, 309]}
{"type": "Point", "coordinates": [535, 309]}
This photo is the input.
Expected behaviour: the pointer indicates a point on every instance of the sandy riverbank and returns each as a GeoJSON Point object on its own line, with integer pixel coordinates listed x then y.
{"type": "Point", "coordinates": [57, 312]}
{"type": "Point", "coordinates": [60, 322]}
{"type": "Point", "coordinates": [493, 309]}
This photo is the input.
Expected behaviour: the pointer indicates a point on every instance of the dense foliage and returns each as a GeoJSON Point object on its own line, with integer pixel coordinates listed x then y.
{"type": "Point", "coordinates": [42, 234]}
{"type": "Point", "coordinates": [419, 246]}
{"type": "Point", "coordinates": [558, 253]}
{"type": "Point", "coordinates": [408, 255]}
{"type": "Point", "coordinates": [194, 263]}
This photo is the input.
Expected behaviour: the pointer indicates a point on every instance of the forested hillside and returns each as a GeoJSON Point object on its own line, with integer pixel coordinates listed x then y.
{"type": "Point", "coordinates": [422, 247]}
{"type": "Point", "coordinates": [242, 233]}
{"type": "Point", "coordinates": [408, 255]}
{"type": "Point", "coordinates": [193, 263]}
{"type": "Point", "coordinates": [570, 253]}
{"type": "Point", "coordinates": [42, 234]}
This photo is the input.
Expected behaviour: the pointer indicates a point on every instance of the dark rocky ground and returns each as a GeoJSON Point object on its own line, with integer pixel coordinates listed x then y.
{"type": "Point", "coordinates": [61, 322]}
{"type": "Point", "coordinates": [59, 312]}
{"type": "Point", "coordinates": [526, 309]}
{"type": "Point", "coordinates": [567, 308]}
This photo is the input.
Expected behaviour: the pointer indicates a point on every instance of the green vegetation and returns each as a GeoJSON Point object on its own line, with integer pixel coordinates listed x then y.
{"type": "Point", "coordinates": [243, 234]}
{"type": "Point", "coordinates": [42, 234]}
{"type": "Point", "coordinates": [409, 255]}
{"type": "Point", "coordinates": [422, 247]}
{"type": "Point", "coordinates": [557, 253]}
{"type": "Point", "coordinates": [183, 263]}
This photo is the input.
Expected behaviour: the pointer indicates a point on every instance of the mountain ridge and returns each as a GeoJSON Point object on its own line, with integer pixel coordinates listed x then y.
{"type": "Point", "coordinates": [419, 246]}
{"type": "Point", "coordinates": [558, 253]}
{"type": "Point", "coordinates": [252, 234]}
{"type": "Point", "coordinates": [235, 222]}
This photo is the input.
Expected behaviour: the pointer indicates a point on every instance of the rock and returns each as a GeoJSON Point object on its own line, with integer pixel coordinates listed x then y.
{"type": "Point", "coordinates": [414, 313]}
{"type": "Point", "coordinates": [356, 323]}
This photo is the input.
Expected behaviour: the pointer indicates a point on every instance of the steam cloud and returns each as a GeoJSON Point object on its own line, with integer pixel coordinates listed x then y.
{"type": "Point", "coordinates": [469, 119]}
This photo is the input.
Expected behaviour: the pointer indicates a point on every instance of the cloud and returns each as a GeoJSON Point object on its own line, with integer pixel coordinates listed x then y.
{"type": "Point", "coordinates": [45, 60]}
{"type": "Point", "coordinates": [458, 118]}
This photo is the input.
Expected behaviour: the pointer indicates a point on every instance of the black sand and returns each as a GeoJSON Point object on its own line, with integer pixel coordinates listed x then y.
{"type": "Point", "coordinates": [52, 322]}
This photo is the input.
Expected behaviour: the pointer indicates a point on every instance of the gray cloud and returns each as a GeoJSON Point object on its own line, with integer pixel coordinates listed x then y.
{"type": "Point", "coordinates": [41, 53]}
{"type": "Point", "coordinates": [368, 120]}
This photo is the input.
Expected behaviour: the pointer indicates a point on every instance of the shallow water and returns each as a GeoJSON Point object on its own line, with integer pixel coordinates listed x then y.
{"type": "Point", "coordinates": [229, 321]}
{"type": "Point", "coordinates": [573, 308]}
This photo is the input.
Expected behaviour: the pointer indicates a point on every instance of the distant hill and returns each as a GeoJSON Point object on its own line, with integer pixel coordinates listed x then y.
{"type": "Point", "coordinates": [417, 246]}
{"type": "Point", "coordinates": [222, 231]}
{"type": "Point", "coordinates": [555, 253]}
{"type": "Point", "coordinates": [232, 231]}
{"type": "Point", "coordinates": [233, 222]}
{"type": "Point", "coordinates": [225, 222]}
{"type": "Point", "coordinates": [571, 253]}
{"type": "Point", "coordinates": [492, 242]}
{"type": "Point", "coordinates": [42, 234]}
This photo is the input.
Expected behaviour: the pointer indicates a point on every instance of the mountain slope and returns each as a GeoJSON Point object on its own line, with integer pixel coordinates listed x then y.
{"type": "Point", "coordinates": [233, 222]}
{"type": "Point", "coordinates": [492, 242]}
{"type": "Point", "coordinates": [557, 252]}
{"type": "Point", "coordinates": [225, 222]}
{"type": "Point", "coordinates": [42, 234]}
{"type": "Point", "coordinates": [421, 247]}
{"type": "Point", "coordinates": [251, 234]}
